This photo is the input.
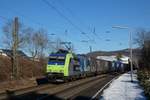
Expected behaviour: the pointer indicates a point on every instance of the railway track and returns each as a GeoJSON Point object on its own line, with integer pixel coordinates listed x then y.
{"type": "Point", "coordinates": [75, 92]}
{"type": "Point", "coordinates": [9, 93]}
{"type": "Point", "coordinates": [68, 90]}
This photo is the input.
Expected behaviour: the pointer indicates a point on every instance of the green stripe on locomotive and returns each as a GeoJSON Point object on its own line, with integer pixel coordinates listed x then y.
{"type": "Point", "coordinates": [55, 68]}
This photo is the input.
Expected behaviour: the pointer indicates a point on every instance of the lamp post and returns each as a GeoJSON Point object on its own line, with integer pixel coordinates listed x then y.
{"type": "Point", "coordinates": [130, 46]}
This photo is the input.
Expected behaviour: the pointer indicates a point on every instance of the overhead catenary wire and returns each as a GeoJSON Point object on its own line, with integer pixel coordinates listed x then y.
{"type": "Point", "coordinates": [26, 17]}
{"type": "Point", "coordinates": [70, 12]}
{"type": "Point", "coordinates": [75, 17]}
{"type": "Point", "coordinates": [94, 32]}
{"type": "Point", "coordinates": [65, 17]}
{"type": "Point", "coordinates": [29, 19]}
{"type": "Point", "coordinates": [39, 24]}
{"type": "Point", "coordinates": [61, 14]}
{"type": "Point", "coordinates": [21, 15]}
{"type": "Point", "coordinates": [4, 18]}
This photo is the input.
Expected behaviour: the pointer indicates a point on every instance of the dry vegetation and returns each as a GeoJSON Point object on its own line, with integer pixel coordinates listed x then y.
{"type": "Point", "coordinates": [143, 40]}
{"type": "Point", "coordinates": [29, 71]}
{"type": "Point", "coordinates": [28, 68]}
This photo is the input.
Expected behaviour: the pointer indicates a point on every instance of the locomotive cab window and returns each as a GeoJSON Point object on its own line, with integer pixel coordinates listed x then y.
{"type": "Point", "coordinates": [59, 60]}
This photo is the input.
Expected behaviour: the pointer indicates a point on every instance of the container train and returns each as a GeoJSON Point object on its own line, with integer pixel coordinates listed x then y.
{"type": "Point", "coordinates": [66, 66]}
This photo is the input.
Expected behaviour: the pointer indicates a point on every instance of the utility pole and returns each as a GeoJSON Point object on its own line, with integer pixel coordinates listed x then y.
{"type": "Point", "coordinates": [131, 56]}
{"type": "Point", "coordinates": [15, 69]}
{"type": "Point", "coordinates": [130, 50]}
{"type": "Point", "coordinates": [90, 48]}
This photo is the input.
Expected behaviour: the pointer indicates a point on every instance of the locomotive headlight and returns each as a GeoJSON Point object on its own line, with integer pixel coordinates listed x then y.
{"type": "Point", "coordinates": [50, 70]}
{"type": "Point", "coordinates": [61, 71]}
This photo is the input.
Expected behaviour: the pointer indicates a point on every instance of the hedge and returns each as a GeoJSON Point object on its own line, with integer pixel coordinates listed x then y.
{"type": "Point", "coordinates": [144, 78]}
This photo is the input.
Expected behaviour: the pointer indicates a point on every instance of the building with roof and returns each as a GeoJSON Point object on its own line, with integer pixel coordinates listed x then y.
{"type": "Point", "coordinates": [113, 62]}
{"type": "Point", "coordinates": [123, 59]}
{"type": "Point", "coordinates": [9, 53]}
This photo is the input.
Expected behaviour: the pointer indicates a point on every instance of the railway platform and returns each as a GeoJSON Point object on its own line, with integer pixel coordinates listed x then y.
{"type": "Point", "coordinates": [123, 89]}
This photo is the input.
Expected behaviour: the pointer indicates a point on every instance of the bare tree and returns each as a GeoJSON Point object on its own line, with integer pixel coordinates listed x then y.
{"type": "Point", "coordinates": [140, 37]}
{"type": "Point", "coordinates": [143, 40]}
{"type": "Point", "coordinates": [8, 36]}
{"type": "Point", "coordinates": [37, 43]}
{"type": "Point", "coordinates": [13, 39]}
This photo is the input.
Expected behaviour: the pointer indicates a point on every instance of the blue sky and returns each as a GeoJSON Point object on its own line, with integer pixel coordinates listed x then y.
{"type": "Point", "coordinates": [86, 15]}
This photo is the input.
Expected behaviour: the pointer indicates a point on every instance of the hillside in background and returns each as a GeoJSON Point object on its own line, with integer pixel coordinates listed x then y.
{"type": "Point", "coordinates": [126, 52]}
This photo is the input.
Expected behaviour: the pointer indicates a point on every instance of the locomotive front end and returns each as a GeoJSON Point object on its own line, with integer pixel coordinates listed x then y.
{"type": "Point", "coordinates": [56, 66]}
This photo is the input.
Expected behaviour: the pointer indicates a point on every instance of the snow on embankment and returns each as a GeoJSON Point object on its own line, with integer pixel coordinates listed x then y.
{"type": "Point", "coordinates": [123, 89]}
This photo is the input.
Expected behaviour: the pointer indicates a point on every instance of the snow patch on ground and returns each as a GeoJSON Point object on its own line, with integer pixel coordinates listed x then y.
{"type": "Point", "coordinates": [123, 89]}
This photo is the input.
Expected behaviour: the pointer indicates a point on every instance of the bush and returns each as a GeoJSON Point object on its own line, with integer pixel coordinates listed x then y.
{"type": "Point", "coordinates": [143, 75]}
{"type": "Point", "coordinates": [146, 85]}
{"type": "Point", "coordinates": [144, 78]}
